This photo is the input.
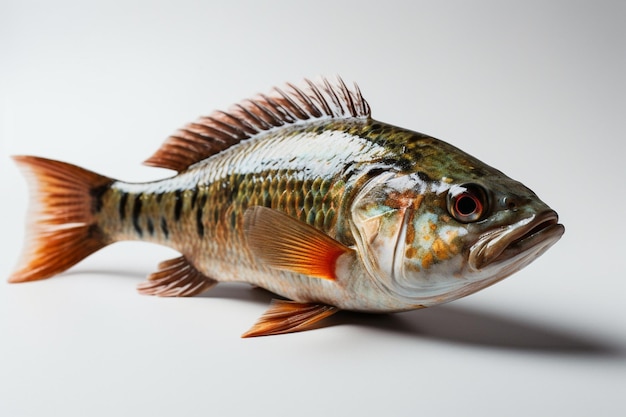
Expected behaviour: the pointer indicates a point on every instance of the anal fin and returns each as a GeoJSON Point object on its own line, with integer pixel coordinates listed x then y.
{"type": "Point", "coordinates": [289, 316]}
{"type": "Point", "coordinates": [176, 278]}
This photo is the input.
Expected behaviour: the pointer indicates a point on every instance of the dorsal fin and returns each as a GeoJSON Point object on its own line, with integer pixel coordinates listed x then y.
{"type": "Point", "coordinates": [220, 130]}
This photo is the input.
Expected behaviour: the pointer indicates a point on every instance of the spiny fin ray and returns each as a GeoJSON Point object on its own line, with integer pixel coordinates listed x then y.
{"type": "Point", "coordinates": [220, 130]}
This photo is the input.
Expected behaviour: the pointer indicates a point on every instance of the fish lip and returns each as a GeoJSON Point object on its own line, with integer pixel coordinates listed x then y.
{"type": "Point", "coordinates": [526, 238]}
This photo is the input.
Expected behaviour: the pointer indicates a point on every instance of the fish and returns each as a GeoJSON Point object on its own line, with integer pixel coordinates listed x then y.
{"type": "Point", "coordinates": [301, 192]}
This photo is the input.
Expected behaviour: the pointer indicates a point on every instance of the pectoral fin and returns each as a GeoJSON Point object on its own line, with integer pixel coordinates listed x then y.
{"type": "Point", "coordinates": [289, 316]}
{"type": "Point", "coordinates": [283, 242]}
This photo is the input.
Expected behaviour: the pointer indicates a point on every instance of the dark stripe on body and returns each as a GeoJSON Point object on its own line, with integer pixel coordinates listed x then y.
{"type": "Point", "coordinates": [194, 197]}
{"type": "Point", "coordinates": [178, 206]}
{"type": "Point", "coordinates": [96, 194]}
{"type": "Point", "coordinates": [136, 214]}
{"type": "Point", "coordinates": [199, 213]}
{"type": "Point", "coordinates": [122, 206]}
{"type": "Point", "coordinates": [164, 228]}
{"type": "Point", "coordinates": [150, 227]}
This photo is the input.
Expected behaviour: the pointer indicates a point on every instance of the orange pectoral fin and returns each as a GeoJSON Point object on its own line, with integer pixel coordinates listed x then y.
{"type": "Point", "coordinates": [283, 242]}
{"type": "Point", "coordinates": [289, 316]}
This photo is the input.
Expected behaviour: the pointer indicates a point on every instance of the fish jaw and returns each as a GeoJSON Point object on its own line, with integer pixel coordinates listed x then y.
{"type": "Point", "coordinates": [512, 247]}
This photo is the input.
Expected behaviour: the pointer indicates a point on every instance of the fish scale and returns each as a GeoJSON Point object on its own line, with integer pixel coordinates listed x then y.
{"type": "Point", "coordinates": [223, 199]}
{"type": "Point", "coordinates": [302, 193]}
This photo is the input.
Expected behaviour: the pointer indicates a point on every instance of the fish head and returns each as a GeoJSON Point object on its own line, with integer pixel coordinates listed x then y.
{"type": "Point", "coordinates": [428, 241]}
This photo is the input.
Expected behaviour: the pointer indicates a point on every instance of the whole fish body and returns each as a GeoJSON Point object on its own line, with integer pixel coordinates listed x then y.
{"type": "Point", "coordinates": [302, 193]}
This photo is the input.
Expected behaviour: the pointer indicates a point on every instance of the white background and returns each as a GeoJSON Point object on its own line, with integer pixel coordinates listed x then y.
{"type": "Point", "coordinates": [534, 88]}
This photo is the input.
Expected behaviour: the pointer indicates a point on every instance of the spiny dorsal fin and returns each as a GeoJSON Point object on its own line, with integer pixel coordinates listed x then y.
{"type": "Point", "coordinates": [220, 130]}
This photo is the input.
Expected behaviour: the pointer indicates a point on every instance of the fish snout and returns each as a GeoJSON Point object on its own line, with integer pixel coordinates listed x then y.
{"type": "Point", "coordinates": [526, 238]}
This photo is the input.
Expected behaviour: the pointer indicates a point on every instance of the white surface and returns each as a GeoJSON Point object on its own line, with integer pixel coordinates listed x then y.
{"type": "Point", "coordinates": [536, 89]}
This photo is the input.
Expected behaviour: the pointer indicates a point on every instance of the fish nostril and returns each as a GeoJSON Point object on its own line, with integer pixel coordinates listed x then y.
{"type": "Point", "coordinates": [510, 203]}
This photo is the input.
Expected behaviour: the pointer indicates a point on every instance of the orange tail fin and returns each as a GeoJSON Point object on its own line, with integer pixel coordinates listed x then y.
{"type": "Point", "coordinates": [61, 228]}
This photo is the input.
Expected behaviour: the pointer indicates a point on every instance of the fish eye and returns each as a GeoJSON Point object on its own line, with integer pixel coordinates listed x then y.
{"type": "Point", "coordinates": [467, 203]}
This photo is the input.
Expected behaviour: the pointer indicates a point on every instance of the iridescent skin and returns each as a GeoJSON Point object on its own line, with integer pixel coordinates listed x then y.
{"type": "Point", "coordinates": [373, 187]}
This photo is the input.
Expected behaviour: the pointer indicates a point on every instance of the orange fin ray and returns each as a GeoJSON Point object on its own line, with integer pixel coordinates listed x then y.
{"type": "Point", "coordinates": [176, 278]}
{"type": "Point", "coordinates": [220, 130]}
{"type": "Point", "coordinates": [282, 242]}
{"type": "Point", "coordinates": [61, 229]}
{"type": "Point", "coordinates": [289, 316]}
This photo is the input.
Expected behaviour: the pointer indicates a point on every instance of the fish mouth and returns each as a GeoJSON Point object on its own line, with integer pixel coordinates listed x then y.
{"type": "Point", "coordinates": [518, 244]}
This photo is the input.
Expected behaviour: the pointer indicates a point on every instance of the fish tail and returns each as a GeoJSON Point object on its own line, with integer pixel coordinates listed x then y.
{"type": "Point", "coordinates": [61, 227]}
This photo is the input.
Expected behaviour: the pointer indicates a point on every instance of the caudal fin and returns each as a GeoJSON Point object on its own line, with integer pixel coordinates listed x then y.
{"type": "Point", "coordinates": [61, 227]}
